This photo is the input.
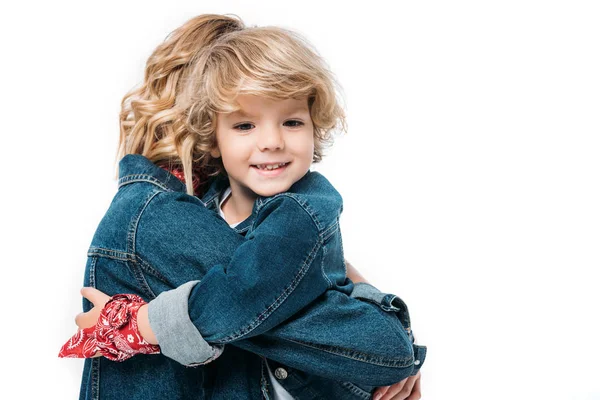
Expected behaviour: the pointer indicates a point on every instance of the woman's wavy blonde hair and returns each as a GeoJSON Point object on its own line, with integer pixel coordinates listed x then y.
{"type": "Point", "coordinates": [199, 70]}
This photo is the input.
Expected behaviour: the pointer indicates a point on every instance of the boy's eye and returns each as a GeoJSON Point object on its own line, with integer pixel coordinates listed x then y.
{"type": "Point", "coordinates": [295, 124]}
{"type": "Point", "coordinates": [238, 127]}
{"type": "Point", "coordinates": [299, 123]}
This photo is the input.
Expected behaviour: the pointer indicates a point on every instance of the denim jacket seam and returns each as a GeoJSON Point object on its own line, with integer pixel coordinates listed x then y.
{"type": "Point", "coordinates": [210, 200]}
{"type": "Point", "coordinates": [265, 383]}
{"type": "Point", "coordinates": [280, 299]}
{"type": "Point", "coordinates": [330, 230]}
{"type": "Point", "coordinates": [314, 394]}
{"type": "Point", "coordinates": [300, 201]}
{"type": "Point", "coordinates": [133, 226]}
{"type": "Point", "coordinates": [130, 260]}
{"type": "Point", "coordinates": [110, 253]}
{"type": "Point", "coordinates": [132, 178]}
{"type": "Point", "coordinates": [140, 278]}
{"type": "Point", "coordinates": [136, 269]}
{"type": "Point", "coordinates": [329, 283]}
{"type": "Point", "coordinates": [355, 390]}
{"type": "Point", "coordinates": [149, 268]}
{"type": "Point", "coordinates": [92, 281]}
{"type": "Point", "coordinates": [95, 378]}
{"type": "Point", "coordinates": [359, 356]}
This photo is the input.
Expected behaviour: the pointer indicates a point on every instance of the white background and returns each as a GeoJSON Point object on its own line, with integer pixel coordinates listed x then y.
{"type": "Point", "coordinates": [470, 175]}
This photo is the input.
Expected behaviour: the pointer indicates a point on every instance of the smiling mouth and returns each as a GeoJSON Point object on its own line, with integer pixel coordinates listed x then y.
{"type": "Point", "coordinates": [270, 167]}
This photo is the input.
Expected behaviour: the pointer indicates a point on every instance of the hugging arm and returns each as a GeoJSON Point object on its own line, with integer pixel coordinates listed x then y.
{"type": "Point", "coordinates": [251, 297]}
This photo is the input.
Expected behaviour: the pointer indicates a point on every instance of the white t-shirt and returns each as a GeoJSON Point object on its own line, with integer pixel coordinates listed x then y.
{"type": "Point", "coordinates": [280, 392]}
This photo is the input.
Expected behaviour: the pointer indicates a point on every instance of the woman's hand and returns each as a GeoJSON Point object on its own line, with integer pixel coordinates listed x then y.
{"type": "Point", "coordinates": [407, 389]}
{"type": "Point", "coordinates": [98, 299]}
{"type": "Point", "coordinates": [82, 344]}
{"type": "Point", "coordinates": [86, 321]}
{"type": "Point", "coordinates": [109, 329]}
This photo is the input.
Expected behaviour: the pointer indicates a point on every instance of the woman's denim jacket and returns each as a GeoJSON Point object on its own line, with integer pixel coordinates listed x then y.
{"type": "Point", "coordinates": [323, 336]}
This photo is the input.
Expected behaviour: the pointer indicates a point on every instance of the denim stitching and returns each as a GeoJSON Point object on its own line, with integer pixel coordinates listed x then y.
{"type": "Point", "coordinates": [330, 284]}
{"type": "Point", "coordinates": [127, 179]}
{"type": "Point", "coordinates": [96, 378]}
{"type": "Point", "coordinates": [217, 351]}
{"type": "Point", "coordinates": [131, 232]}
{"type": "Point", "coordinates": [211, 199]}
{"type": "Point", "coordinates": [330, 230]}
{"type": "Point", "coordinates": [355, 390]}
{"type": "Point", "coordinates": [140, 278]}
{"type": "Point", "coordinates": [131, 235]}
{"type": "Point", "coordinates": [146, 266]}
{"type": "Point", "coordinates": [92, 281]}
{"type": "Point", "coordinates": [108, 253]}
{"type": "Point", "coordinates": [358, 356]}
{"type": "Point", "coordinates": [242, 230]}
{"type": "Point", "coordinates": [292, 375]}
{"type": "Point", "coordinates": [264, 383]}
{"type": "Point", "coordinates": [258, 320]}
{"type": "Point", "coordinates": [301, 202]}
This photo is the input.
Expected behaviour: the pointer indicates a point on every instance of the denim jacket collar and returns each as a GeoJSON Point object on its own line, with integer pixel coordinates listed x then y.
{"type": "Point", "coordinates": [211, 200]}
{"type": "Point", "coordinates": [137, 168]}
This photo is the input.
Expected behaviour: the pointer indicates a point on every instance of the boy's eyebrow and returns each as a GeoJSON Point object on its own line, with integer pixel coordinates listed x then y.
{"type": "Point", "coordinates": [242, 113]}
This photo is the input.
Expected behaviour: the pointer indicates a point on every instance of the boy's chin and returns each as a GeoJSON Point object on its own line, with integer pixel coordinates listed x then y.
{"type": "Point", "coordinates": [271, 191]}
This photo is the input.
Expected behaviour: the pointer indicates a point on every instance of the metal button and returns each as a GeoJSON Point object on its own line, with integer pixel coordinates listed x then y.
{"type": "Point", "coordinates": [280, 373]}
{"type": "Point", "coordinates": [417, 362]}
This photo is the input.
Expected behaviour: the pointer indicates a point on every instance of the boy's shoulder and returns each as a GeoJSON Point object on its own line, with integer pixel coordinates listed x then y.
{"type": "Point", "coordinates": [312, 193]}
{"type": "Point", "coordinates": [314, 183]}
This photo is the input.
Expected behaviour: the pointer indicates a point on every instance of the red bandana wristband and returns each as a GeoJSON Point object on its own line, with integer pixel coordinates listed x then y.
{"type": "Point", "coordinates": [115, 335]}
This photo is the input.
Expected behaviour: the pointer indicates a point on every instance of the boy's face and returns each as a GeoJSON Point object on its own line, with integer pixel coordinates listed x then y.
{"type": "Point", "coordinates": [255, 141]}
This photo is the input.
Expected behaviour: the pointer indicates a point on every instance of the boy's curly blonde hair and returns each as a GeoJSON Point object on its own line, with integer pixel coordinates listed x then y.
{"type": "Point", "coordinates": [200, 69]}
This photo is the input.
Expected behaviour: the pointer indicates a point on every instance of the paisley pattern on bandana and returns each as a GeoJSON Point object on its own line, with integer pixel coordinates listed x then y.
{"type": "Point", "coordinates": [116, 335]}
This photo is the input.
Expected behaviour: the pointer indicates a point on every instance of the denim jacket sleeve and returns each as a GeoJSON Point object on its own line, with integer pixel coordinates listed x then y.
{"type": "Point", "coordinates": [275, 273]}
{"type": "Point", "coordinates": [354, 341]}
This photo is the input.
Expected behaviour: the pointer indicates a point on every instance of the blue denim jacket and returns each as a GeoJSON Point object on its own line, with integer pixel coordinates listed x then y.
{"type": "Point", "coordinates": [154, 237]}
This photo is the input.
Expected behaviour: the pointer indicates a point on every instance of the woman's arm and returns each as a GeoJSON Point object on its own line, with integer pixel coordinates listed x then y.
{"type": "Point", "coordinates": [353, 274]}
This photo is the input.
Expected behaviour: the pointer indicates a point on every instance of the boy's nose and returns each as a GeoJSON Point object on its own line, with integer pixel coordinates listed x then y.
{"type": "Point", "coordinates": [270, 139]}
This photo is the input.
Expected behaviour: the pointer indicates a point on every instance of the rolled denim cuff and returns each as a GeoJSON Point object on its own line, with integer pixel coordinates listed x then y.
{"type": "Point", "coordinates": [177, 336]}
{"type": "Point", "coordinates": [363, 290]}
{"type": "Point", "coordinates": [420, 352]}
{"type": "Point", "coordinates": [391, 302]}
{"type": "Point", "coordinates": [387, 301]}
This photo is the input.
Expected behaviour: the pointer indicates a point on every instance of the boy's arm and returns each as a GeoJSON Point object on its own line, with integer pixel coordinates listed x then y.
{"type": "Point", "coordinates": [356, 277]}
{"type": "Point", "coordinates": [335, 330]}
{"type": "Point", "coordinates": [272, 275]}
{"type": "Point", "coordinates": [148, 334]}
